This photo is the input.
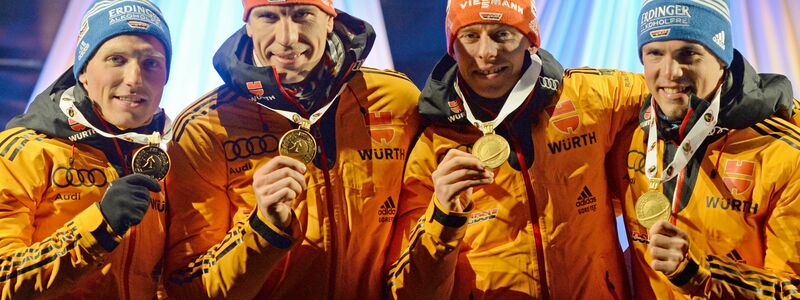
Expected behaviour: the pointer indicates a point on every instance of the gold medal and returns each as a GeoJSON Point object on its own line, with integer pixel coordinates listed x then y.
{"type": "Point", "coordinates": [492, 149]}
{"type": "Point", "coordinates": [298, 144]}
{"type": "Point", "coordinates": [151, 161]}
{"type": "Point", "coordinates": [652, 207]}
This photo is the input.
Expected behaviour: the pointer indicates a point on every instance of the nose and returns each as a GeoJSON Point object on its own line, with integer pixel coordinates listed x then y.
{"type": "Point", "coordinates": [286, 33]}
{"type": "Point", "coordinates": [133, 74]}
{"type": "Point", "coordinates": [672, 69]}
{"type": "Point", "coordinates": [487, 48]}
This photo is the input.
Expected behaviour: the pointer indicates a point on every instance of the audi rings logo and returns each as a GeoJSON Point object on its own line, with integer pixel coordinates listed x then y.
{"type": "Point", "coordinates": [251, 146]}
{"type": "Point", "coordinates": [66, 177]}
{"type": "Point", "coordinates": [636, 161]}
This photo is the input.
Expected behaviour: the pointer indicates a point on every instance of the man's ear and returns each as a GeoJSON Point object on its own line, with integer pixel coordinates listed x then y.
{"type": "Point", "coordinates": [82, 78]}
{"type": "Point", "coordinates": [248, 29]}
{"type": "Point", "coordinates": [330, 23]}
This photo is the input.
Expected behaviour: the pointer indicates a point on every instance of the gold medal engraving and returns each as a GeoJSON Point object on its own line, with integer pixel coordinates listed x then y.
{"type": "Point", "coordinates": [652, 207]}
{"type": "Point", "coordinates": [492, 149]}
{"type": "Point", "coordinates": [151, 161]}
{"type": "Point", "coordinates": [298, 144]}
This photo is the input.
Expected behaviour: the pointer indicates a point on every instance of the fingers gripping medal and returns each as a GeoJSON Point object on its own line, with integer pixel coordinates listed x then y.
{"type": "Point", "coordinates": [151, 160]}
{"type": "Point", "coordinates": [492, 149]}
{"type": "Point", "coordinates": [299, 143]}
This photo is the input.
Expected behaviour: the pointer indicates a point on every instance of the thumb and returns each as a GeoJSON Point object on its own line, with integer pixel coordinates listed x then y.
{"type": "Point", "coordinates": [143, 180]}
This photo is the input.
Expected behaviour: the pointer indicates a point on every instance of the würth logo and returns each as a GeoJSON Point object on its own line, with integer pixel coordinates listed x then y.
{"type": "Point", "coordinates": [586, 202]}
{"type": "Point", "coordinates": [455, 106]}
{"type": "Point", "coordinates": [738, 177]}
{"type": "Point", "coordinates": [378, 133]}
{"type": "Point", "coordinates": [255, 88]}
{"type": "Point", "coordinates": [387, 211]}
{"type": "Point", "coordinates": [565, 117]}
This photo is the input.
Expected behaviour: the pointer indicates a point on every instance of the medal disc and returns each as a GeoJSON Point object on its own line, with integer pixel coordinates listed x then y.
{"type": "Point", "coordinates": [492, 150]}
{"type": "Point", "coordinates": [298, 144]}
{"type": "Point", "coordinates": [151, 161]}
{"type": "Point", "coordinates": [652, 207]}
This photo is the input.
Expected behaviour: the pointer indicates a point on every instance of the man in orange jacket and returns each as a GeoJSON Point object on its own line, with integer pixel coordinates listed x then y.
{"type": "Point", "coordinates": [509, 178]}
{"type": "Point", "coordinates": [711, 200]}
{"type": "Point", "coordinates": [76, 218]}
{"type": "Point", "coordinates": [287, 177]}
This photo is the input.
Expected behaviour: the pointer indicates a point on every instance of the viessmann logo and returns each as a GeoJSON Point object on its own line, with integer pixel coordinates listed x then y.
{"type": "Point", "coordinates": [738, 177]}
{"type": "Point", "coordinates": [565, 117]}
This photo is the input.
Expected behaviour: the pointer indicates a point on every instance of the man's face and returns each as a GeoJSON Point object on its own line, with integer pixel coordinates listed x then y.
{"type": "Point", "coordinates": [676, 69]}
{"type": "Point", "coordinates": [289, 38]}
{"type": "Point", "coordinates": [125, 79]}
{"type": "Point", "coordinates": [490, 57]}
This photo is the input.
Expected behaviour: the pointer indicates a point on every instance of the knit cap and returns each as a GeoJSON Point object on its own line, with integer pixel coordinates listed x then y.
{"type": "Point", "coordinates": [109, 18]}
{"type": "Point", "coordinates": [324, 5]}
{"type": "Point", "coordinates": [707, 22]}
{"type": "Point", "coordinates": [520, 14]}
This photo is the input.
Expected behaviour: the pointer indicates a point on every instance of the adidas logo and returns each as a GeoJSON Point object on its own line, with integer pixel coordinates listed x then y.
{"type": "Point", "coordinates": [719, 38]}
{"type": "Point", "coordinates": [586, 201]}
{"type": "Point", "coordinates": [387, 211]}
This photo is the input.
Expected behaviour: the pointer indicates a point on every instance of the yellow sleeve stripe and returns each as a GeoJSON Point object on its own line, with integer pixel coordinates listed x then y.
{"type": "Point", "coordinates": [771, 127]}
{"type": "Point", "coordinates": [205, 262]}
{"type": "Point", "coordinates": [39, 254]}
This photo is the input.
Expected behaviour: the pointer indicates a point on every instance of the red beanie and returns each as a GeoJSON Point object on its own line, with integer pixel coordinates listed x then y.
{"type": "Point", "coordinates": [520, 14]}
{"type": "Point", "coordinates": [324, 5]}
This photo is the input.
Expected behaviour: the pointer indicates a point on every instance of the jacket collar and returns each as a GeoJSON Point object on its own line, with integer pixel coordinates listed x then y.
{"type": "Point", "coordinates": [439, 102]}
{"type": "Point", "coordinates": [233, 62]}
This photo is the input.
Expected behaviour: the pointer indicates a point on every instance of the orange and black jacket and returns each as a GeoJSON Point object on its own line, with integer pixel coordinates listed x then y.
{"type": "Point", "coordinates": [336, 245]}
{"type": "Point", "coordinates": [54, 242]}
{"type": "Point", "coordinates": [739, 196]}
{"type": "Point", "coordinates": [546, 225]}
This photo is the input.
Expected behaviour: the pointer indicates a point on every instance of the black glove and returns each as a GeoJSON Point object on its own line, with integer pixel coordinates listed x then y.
{"type": "Point", "coordinates": [126, 200]}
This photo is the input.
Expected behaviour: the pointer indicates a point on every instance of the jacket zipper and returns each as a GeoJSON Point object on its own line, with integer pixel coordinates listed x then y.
{"type": "Point", "coordinates": [331, 220]}
{"type": "Point", "coordinates": [534, 215]}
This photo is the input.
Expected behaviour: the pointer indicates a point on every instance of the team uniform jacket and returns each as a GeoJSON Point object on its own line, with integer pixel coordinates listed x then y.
{"type": "Point", "coordinates": [739, 201]}
{"type": "Point", "coordinates": [336, 246]}
{"type": "Point", "coordinates": [550, 197]}
{"type": "Point", "coordinates": [54, 242]}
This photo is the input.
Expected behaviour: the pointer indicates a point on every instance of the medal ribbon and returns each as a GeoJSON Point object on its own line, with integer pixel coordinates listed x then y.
{"type": "Point", "coordinates": [303, 122]}
{"type": "Point", "coordinates": [687, 147]}
{"type": "Point", "coordinates": [67, 105]}
{"type": "Point", "coordinates": [518, 95]}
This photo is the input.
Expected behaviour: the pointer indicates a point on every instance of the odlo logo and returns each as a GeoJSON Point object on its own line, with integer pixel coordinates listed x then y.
{"type": "Point", "coordinates": [387, 211]}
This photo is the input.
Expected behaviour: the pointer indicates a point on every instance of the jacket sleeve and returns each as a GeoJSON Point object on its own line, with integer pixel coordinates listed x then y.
{"type": "Point", "coordinates": [50, 267]}
{"type": "Point", "coordinates": [720, 278]}
{"type": "Point", "coordinates": [426, 266]}
{"type": "Point", "coordinates": [217, 246]}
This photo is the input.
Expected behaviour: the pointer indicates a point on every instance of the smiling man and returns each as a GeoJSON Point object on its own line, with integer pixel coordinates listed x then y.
{"type": "Point", "coordinates": [294, 165]}
{"type": "Point", "coordinates": [714, 211]}
{"type": "Point", "coordinates": [69, 201]}
{"type": "Point", "coordinates": [505, 194]}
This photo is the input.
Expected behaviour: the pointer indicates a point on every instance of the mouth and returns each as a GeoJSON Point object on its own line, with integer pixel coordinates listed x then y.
{"type": "Point", "coordinates": [286, 58]}
{"type": "Point", "coordinates": [131, 100]}
{"type": "Point", "coordinates": [676, 92]}
{"type": "Point", "coordinates": [491, 72]}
